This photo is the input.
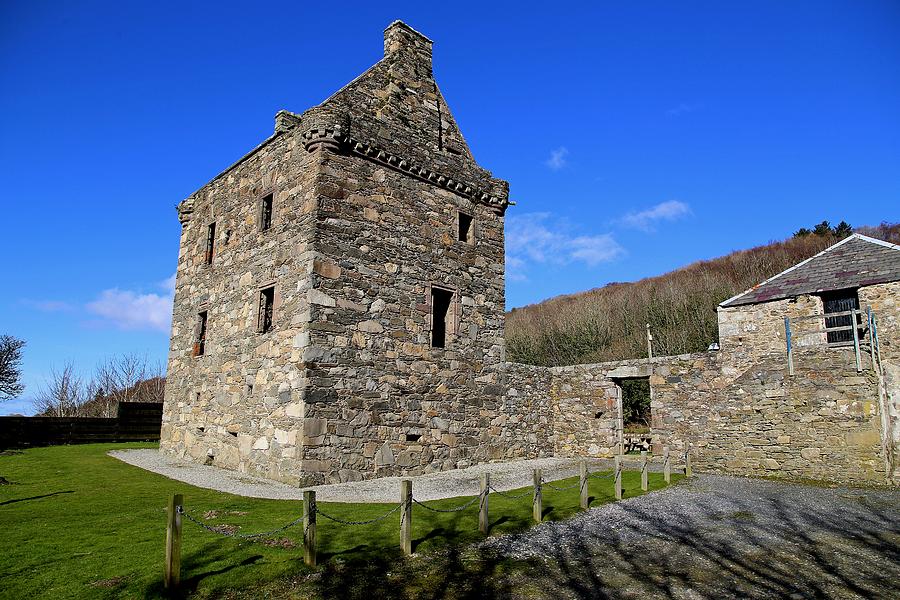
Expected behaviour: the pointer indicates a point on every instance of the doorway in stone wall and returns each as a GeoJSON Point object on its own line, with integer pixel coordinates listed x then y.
{"type": "Point", "coordinates": [634, 414]}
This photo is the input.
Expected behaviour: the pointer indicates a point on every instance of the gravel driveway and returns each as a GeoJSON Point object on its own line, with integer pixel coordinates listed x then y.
{"type": "Point", "coordinates": [447, 484]}
{"type": "Point", "coordinates": [717, 537]}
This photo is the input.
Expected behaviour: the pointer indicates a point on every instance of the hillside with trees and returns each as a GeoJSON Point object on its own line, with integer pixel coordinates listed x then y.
{"type": "Point", "coordinates": [609, 323]}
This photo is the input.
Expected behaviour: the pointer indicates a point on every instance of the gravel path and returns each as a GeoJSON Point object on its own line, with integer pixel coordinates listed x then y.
{"type": "Point", "coordinates": [447, 484]}
{"type": "Point", "coordinates": [718, 537]}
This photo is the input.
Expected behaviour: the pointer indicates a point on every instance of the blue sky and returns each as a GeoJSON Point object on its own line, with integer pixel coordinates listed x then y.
{"type": "Point", "coordinates": [637, 136]}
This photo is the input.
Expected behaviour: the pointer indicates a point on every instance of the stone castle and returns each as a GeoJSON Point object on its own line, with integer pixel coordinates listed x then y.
{"type": "Point", "coordinates": [339, 315]}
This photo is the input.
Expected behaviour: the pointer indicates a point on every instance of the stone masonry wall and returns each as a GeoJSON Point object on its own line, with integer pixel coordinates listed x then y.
{"type": "Point", "coordinates": [822, 423]}
{"type": "Point", "coordinates": [884, 299]}
{"type": "Point", "coordinates": [239, 404]}
{"type": "Point", "coordinates": [753, 330]}
{"type": "Point", "coordinates": [746, 418]}
{"type": "Point", "coordinates": [525, 427]}
{"type": "Point", "coordinates": [380, 400]}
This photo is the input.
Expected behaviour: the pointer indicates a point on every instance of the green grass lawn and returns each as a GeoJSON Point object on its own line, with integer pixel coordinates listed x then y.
{"type": "Point", "coordinates": [77, 523]}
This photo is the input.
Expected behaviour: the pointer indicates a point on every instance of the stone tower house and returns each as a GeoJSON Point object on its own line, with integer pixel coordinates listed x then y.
{"type": "Point", "coordinates": [339, 301]}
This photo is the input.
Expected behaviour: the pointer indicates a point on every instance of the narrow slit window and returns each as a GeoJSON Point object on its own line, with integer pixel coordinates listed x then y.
{"type": "Point", "coordinates": [265, 214]}
{"type": "Point", "coordinates": [465, 233]}
{"type": "Point", "coordinates": [200, 339]}
{"type": "Point", "coordinates": [266, 309]}
{"type": "Point", "coordinates": [210, 242]}
{"type": "Point", "coordinates": [441, 300]}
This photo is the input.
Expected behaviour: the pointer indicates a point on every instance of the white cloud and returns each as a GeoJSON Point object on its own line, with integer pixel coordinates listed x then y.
{"type": "Point", "coordinates": [557, 158]}
{"type": "Point", "coordinates": [125, 309]}
{"type": "Point", "coordinates": [647, 219]}
{"type": "Point", "coordinates": [128, 310]}
{"type": "Point", "coordinates": [683, 109]}
{"type": "Point", "coordinates": [538, 238]}
{"type": "Point", "coordinates": [168, 284]}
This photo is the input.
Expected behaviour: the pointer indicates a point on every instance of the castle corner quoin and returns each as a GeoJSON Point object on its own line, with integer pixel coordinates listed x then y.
{"type": "Point", "coordinates": [339, 315]}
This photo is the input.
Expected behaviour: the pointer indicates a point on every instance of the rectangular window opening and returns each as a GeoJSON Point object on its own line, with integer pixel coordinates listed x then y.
{"type": "Point", "coordinates": [465, 233]}
{"type": "Point", "coordinates": [413, 437]}
{"type": "Point", "coordinates": [200, 340]}
{"type": "Point", "coordinates": [210, 242]}
{"type": "Point", "coordinates": [440, 316]}
{"type": "Point", "coordinates": [265, 216]}
{"type": "Point", "coordinates": [837, 302]}
{"type": "Point", "coordinates": [266, 309]}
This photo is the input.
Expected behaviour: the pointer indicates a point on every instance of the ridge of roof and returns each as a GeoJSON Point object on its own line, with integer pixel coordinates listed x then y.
{"type": "Point", "coordinates": [855, 236]}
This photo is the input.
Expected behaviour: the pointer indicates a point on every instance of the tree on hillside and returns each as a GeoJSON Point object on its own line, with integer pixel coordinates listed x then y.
{"type": "Point", "coordinates": [842, 229]}
{"type": "Point", "coordinates": [823, 228]}
{"type": "Point", "coordinates": [10, 367]}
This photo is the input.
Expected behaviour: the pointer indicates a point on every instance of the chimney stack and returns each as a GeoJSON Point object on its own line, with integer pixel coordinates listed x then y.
{"type": "Point", "coordinates": [401, 39]}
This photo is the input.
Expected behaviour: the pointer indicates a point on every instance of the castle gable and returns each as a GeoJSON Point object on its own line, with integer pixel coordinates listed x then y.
{"type": "Point", "coordinates": [397, 102]}
{"type": "Point", "coordinates": [394, 113]}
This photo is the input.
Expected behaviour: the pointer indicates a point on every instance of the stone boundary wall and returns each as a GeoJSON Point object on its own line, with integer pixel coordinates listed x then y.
{"type": "Point", "coordinates": [823, 423]}
{"type": "Point", "coordinates": [525, 426]}
{"type": "Point", "coordinates": [738, 417]}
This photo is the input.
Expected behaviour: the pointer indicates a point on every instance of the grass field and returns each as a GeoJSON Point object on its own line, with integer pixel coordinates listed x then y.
{"type": "Point", "coordinates": [77, 523]}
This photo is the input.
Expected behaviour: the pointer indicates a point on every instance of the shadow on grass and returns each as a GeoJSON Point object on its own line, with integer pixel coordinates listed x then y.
{"type": "Point", "coordinates": [780, 544]}
{"type": "Point", "coordinates": [199, 563]}
{"type": "Point", "coordinates": [14, 500]}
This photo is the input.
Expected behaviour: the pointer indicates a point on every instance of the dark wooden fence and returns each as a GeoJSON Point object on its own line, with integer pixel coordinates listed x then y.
{"type": "Point", "coordinates": [137, 421]}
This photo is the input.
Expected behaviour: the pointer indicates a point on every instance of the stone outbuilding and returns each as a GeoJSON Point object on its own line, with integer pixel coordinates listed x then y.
{"type": "Point", "coordinates": [858, 272]}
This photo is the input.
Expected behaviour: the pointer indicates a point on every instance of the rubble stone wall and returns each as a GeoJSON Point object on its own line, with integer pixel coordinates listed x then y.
{"type": "Point", "coordinates": [884, 299]}
{"type": "Point", "coordinates": [380, 400]}
{"type": "Point", "coordinates": [526, 425]}
{"type": "Point", "coordinates": [239, 404]}
{"type": "Point", "coordinates": [746, 418]}
{"type": "Point", "coordinates": [822, 423]}
{"type": "Point", "coordinates": [753, 330]}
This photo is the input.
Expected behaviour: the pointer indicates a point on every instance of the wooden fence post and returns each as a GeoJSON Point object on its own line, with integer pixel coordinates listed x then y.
{"type": "Point", "coordinates": [853, 323]}
{"type": "Point", "coordinates": [309, 528]}
{"type": "Point", "coordinates": [538, 504]}
{"type": "Point", "coordinates": [583, 483]}
{"type": "Point", "coordinates": [667, 466]}
{"type": "Point", "coordinates": [688, 470]}
{"type": "Point", "coordinates": [406, 516]}
{"type": "Point", "coordinates": [172, 577]}
{"type": "Point", "coordinates": [618, 477]}
{"type": "Point", "coordinates": [644, 470]}
{"type": "Point", "coordinates": [483, 523]}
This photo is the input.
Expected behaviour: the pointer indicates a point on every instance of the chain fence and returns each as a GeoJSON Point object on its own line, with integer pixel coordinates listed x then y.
{"type": "Point", "coordinates": [311, 509]}
{"type": "Point", "coordinates": [318, 511]}
{"type": "Point", "coordinates": [561, 489]}
{"type": "Point", "coordinates": [224, 531]}
{"type": "Point", "coordinates": [459, 508]}
{"type": "Point", "coordinates": [512, 496]}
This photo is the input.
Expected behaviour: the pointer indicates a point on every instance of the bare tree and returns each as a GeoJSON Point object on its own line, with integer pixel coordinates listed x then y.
{"type": "Point", "coordinates": [124, 378]}
{"type": "Point", "coordinates": [10, 367]}
{"type": "Point", "coordinates": [63, 393]}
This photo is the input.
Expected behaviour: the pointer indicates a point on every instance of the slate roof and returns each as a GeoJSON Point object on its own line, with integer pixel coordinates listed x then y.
{"type": "Point", "coordinates": [853, 262]}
